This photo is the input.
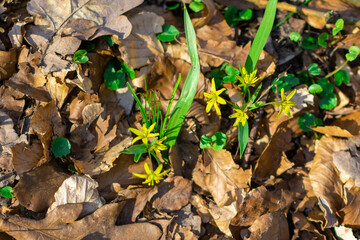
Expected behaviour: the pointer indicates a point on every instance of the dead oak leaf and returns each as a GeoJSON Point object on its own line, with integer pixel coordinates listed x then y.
{"type": "Point", "coordinates": [8, 62]}
{"type": "Point", "coordinates": [62, 223]}
{"type": "Point", "coordinates": [60, 26]}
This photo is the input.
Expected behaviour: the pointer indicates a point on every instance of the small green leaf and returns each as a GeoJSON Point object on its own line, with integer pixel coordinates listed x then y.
{"type": "Point", "coordinates": [243, 136]}
{"type": "Point", "coordinates": [218, 140]}
{"type": "Point", "coordinates": [315, 88]}
{"type": "Point", "coordinates": [80, 56]}
{"type": "Point", "coordinates": [306, 121]}
{"type": "Point", "coordinates": [168, 34]}
{"type": "Point", "coordinates": [229, 69]}
{"type": "Point", "coordinates": [327, 101]}
{"type": "Point", "coordinates": [323, 37]}
{"type": "Point", "coordinates": [173, 6]}
{"type": "Point", "coordinates": [129, 71]}
{"type": "Point", "coordinates": [314, 69]}
{"type": "Point", "coordinates": [245, 14]}
{"type": "Point", "coordinates": [230, 16]}
{"type": "Point", "coordinates": [326, 86]}
{"type": "Point", "coordinates": [354, 52]}
{"type": "Point", "coordinates": [295, 36]}
{"type": "Point", "coordinates": [71, 168]}
{"type": "Point", "coordinates": [286, 82]}
{"type": "Point", "coordinates": [309, 43]}
{"type": "Point", "coordinates": [339, 25]}
{"type": "Point", "coordinates": [6, 192]}
{"type": "Point", "coordinates": [197, 6]}
{"type": "Point", "coordinates": [205, 142]}
{"type": "Point", "coordinates": [341, 77]}
{"type": "Point", "coordinates": [60, 147]}
{"type": "Point", "coordinates": [115, 74]}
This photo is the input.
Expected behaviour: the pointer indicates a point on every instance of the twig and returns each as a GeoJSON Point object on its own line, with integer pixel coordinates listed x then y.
{"type": "Point", "coordinates": [253, 131]}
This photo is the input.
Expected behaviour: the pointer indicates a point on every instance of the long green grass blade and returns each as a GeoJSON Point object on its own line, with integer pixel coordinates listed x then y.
{"type": "Point", "coordinates": [188, 91]}
{"type": "Point", "coordinates": [243, 136]}
{"type": "Point", "coordinates": [261, 37]}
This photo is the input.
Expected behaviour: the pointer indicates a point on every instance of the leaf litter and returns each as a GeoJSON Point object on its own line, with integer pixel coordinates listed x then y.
{"type": "Point", "coordinates": [299, 183]}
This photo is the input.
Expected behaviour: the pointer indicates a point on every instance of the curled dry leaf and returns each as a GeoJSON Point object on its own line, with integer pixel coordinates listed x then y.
{"type": "Point", "coordinates": [36, 188]}
{"type": "Point", "coordinates": [173, 194]}
{"type": "Point", "coordinates": [62, 223]}
{"type": "Point", "coordinates": [324, 176]}
{"type": "Point", "coordinates": [270, 159]}
{"type": "Point", "coordinates": [208, 13]}
{"type": "Point", "coordinates": [60, 26]}
{"type": "Point", "coordinates": [350, 213]}
{"type": "Point", "coordinates": [8, 62]}
{"type": "Point", "coordinates": [218, 174]}
{"type": "Point", "coordinates": [78, 104]}
{"type": "Point", "coordinates": [78, 189]}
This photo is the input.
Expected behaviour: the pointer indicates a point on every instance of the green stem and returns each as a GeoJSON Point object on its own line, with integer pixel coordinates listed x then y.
{"type": "Point", "coordinates": [336, 70]}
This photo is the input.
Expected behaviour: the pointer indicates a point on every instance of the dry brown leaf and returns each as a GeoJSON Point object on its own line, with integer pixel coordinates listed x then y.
{"type": "Point", "coordinates": [62, 223]}
{"type": "Point", "coordinates": [351, 212]}
{"type": "Point", "coordinates": [270, 226]}
{"type": "Point", "coordinates": [270, 159]}
{"type": "Point", "coordinates": [29, 79]}
{"type": "Point", "coordinates": [48, 117]}
{"type": "Point", "coordinates": [78, 104]}
{"type": "Point", "coordinates": [26, 156]}
{"type": "Point", "coordinates": [324, 176]}
{"type": "Point", "coordinates": [12, 102]}
{"type": "Point", "coordinates": [285, 165]}
{"type": "Point", "coordinates": [335, 131]}
{"type": "Point", "coordinates": [57, 89]}
{"type": "Point", "coordinates": [60, 26]}
{"type": "Point", "coordinates": [8, 62]}
{"type": "Point", "coordinates": [201, 207]}
{"type": "Point", "coordinates": [78, 189]}
{"type": "Point", "coordinates": [121, 96]}
{"type": "Point", "coordinates": [36, 188]}
{"type": "Point", "coordinates": [141, 47]}
{"type": "Point", "coordinates": [208, 13]}
{"type": "Point", "coordinates": [223, 216]}
{"type": "Point", "coordinates": [173, 194]}
{"type": "Point", "coordinates": [301, 223]}
{"type": "Point", "coordinates": [218, 174]}
{"type": "Point", "coordinates": [121, 173]}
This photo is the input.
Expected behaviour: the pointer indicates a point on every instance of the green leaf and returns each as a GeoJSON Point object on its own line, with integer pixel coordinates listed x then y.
{"type": "Point", "coordinates": [6, 192]}
{"type": "Point", "coordinates": [189, 89]}
{"type": "Point", "coordinates": [108, 40]}
{"type": "Point", "coordinates": [173, 6]}
{"type": "Point", "coordinates": [60, 147]}
{"type": "Point", "coordinates": [339, 25]}
{"type": "Point", "coordinates": [327, 101]}
{"type": "Point", "coordinates": [286, 82]}
{"type": "Point", "coordinates": [243, 136]}
{"type": "Point", "coordinates": [309, 43]}
{"type": "Point", "coordinates": [129, 71]}
{"type": "Point", "coordinates": [245, 14]}
{"type": "Point", "coordinates": [80, 56]}
{"type": "Point", "coordinates": [262, 36]}
{"type": "Point", "coordinates": [168, 34]}
{"type": "Point", "coordinates": [315, 88]}
{"type": "Point", "coordinates": [314, 69]}
{"type": "Point", "coordinates": [115, 74]}
{"type": "Point", "coordinates": [341, 77]}
{"type": "Point", "coordinates": [326, 86]}
{"type": "Point", "coordinates": [354, 52]}
{"type": "Point", "coordinates": [135, 149]}
{"type": "Point", "coordinates": [295, 36]}
{"type": "Point", "coordinates": [306, 121]}
{"type": "Point", "coordinates": [196, 6]}
{"type": "Point", "coordinates": [323, 37]}
{"type": "Point", "coordinates": [205, 142]}
{"type": "Point", "coordinates": [230, 16]}
{"type": "Point", "coordinates": [218, 140]}
{"type": "Point", "coordinates": [229, 69]}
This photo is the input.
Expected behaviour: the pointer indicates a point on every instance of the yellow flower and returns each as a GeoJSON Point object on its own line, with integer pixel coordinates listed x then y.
{"type": "Point", "coordinates": [246, 79]}
{"type": "Point", "coordinates": [144, 134]}
{"type": "Point", "coordinates": [213, 98]}
{"type": "Point", "coordinates": [152, 176]}
{"type": "Point", "coordinates": [158, 146]}
{"type": "Point", "coordinates": [285, 104]}
{"type": "Point", "coordinates": [240, 117]}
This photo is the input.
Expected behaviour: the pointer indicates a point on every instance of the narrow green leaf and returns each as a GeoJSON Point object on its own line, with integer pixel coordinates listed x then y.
{"type": "Point", "coordinates": [60, 147]}
{"type": "Point", "coordinates": [188, 91]}
{"type": "Point", "coordinates": [243, 136]}
{"type": "Point", "coordinates": [261, 37]}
